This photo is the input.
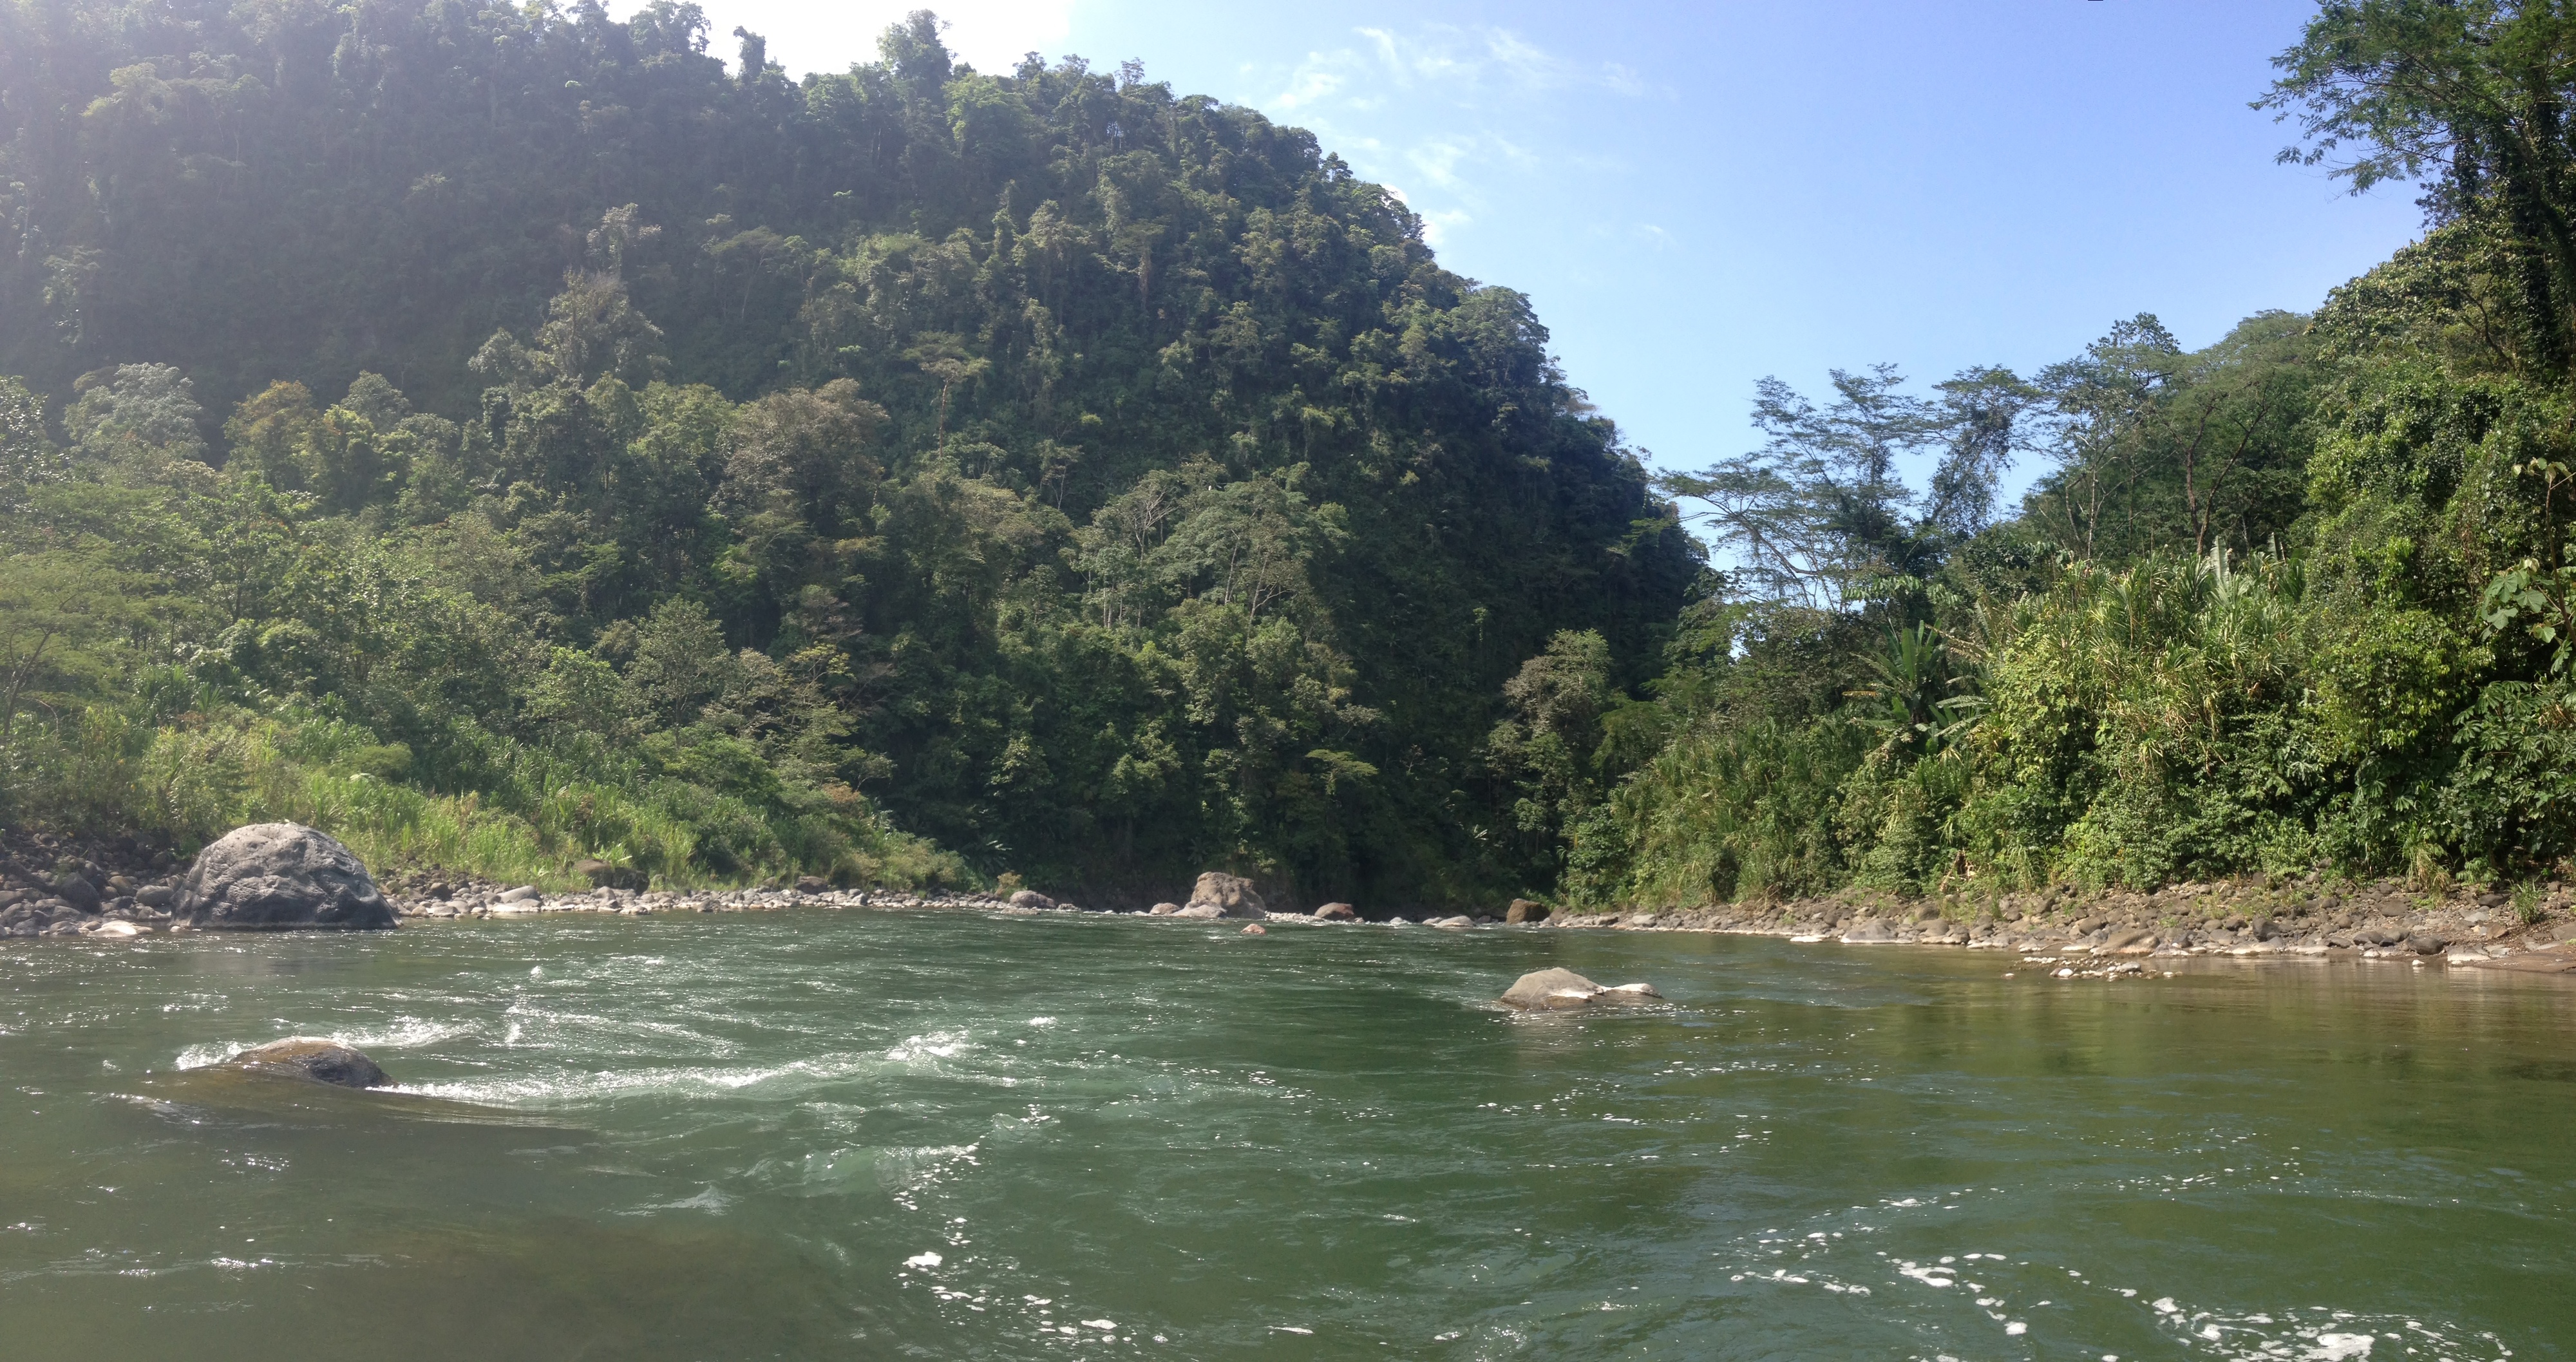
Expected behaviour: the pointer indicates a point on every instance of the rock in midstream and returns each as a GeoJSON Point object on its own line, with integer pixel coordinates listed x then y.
{"type": "Point", "coordinates": [1560, 990]}
{"type": "Point", "coordinates": [323, 1061]}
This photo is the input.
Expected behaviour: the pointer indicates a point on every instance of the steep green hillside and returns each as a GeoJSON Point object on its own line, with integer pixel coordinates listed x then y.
{"type": "Point", "coordinates": [2300, 601]}
{"type": "Point", "coordinates": [510, 410]}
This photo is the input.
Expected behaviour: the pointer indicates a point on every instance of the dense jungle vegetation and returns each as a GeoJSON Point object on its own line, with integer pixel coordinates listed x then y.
{"type": "Point", "coordinates": [504, 435]}
{"type": "Point", "coordinates": [508, 436]}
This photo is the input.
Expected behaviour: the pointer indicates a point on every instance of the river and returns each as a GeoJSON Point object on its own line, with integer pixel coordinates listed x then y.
{"type": "Point", "coordinates": [952, 1135]}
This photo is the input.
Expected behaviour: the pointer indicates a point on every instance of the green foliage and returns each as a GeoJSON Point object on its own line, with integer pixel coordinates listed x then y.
{"type": "Point", "coordinates": [2286, 603]}
{"type": "Point", "coordinates": [713, 448]}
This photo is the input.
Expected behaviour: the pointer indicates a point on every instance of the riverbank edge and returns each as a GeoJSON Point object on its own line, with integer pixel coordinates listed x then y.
{"type": "Point", "coordinates": [2242, 919]}
{"type": "Point", "coordinates": [2252, 917]}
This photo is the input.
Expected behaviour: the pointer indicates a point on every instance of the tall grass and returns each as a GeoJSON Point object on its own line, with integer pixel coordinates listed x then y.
{"type": "Point", "coordinates": [1726, 814]}
{"type": "Point", "coordinates": [189, 779]}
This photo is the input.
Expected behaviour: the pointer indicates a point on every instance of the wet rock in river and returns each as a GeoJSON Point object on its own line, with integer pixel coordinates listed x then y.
{"type": "Point", "coordinates": [280, 876]}
{"type": "Point", "coordinates": [323, 1061]}
{"type": "Point", "coordinates": [1165, 909]}
{"type": "Point", "coordinates": [1562, 990]}
{"type": "Point", "coordinates": [1199, 910]}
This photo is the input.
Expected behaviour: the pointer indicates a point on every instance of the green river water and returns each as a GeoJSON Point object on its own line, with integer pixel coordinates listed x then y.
{"type": "Point", "coordinates": [947, 1135]}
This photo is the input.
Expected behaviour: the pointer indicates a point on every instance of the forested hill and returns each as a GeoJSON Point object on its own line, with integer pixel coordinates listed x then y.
{"type": "Point", "coordinates": [509, 423]}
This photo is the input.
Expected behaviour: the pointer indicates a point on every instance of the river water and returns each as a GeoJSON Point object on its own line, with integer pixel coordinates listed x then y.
{"type": "Point", "coordinates": [947, 1135]}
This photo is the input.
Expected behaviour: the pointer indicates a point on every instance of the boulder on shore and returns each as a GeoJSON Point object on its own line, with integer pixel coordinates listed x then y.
{"type": "Point", "coordinates": [322, 1061]}
{"type": "Point", "coordinates": [1165, 909]}
{"type": "Point", "coordinates": [1560, 990]}
{"type": "Point", "coordinates": [1230, 895]}
{"type": "Point", "coordinates": [280, 877]}
{"type": "Point", "coordinates": [1337, 912]}
{"type": "Point", "coordinates": [1030, 898]}
{"type": "Point", "coordinates": [603, 875]}
{"type": "Point", "coordinates": [74, 888]}
{"type": "Point", "coordinates": [1523, 910]}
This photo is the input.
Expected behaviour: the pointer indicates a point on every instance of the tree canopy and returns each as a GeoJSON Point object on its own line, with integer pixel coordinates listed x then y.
{"type": "Point", "coordinates": [1097, 506]}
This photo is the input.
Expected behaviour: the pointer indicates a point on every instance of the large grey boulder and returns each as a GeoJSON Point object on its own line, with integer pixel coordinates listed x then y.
{"type": "Point", "coordinates": [1230, 895]}
{"type": "Point", "coordinates": [1563, 990]}
{"type": "Point", "coordinates": [323, 1061]}
{"type": "Point", "coordinates": [280, 877]}
{"type": "Point", "coordinates": [75, 889]}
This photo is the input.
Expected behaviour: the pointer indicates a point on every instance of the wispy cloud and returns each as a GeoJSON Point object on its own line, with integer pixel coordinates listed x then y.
{"type": "Point", "coordinates": [1458, 113]}
{"type": "Point", "coordinates": [1312, 84]}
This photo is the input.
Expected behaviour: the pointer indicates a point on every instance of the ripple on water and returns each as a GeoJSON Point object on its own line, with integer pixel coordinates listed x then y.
{"type": "Point", "coordinates": [999, 1138]}
{"type": "Point", "coordinates": [2055, 1305]}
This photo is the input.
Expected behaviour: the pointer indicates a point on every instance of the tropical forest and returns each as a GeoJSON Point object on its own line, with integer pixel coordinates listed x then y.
{"type": "Point", "coordinates": [508, 437]}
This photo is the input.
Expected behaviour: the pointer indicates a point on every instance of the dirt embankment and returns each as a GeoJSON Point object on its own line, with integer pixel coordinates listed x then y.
{"type": "Point", "coordinates": [2307, 916]}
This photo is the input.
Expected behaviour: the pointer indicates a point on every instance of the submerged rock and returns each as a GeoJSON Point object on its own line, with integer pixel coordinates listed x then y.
{"type": "Point", "coordinates": [322, 1061]}
{"type": "Point", "coordinates": [1230, 895]}
{"type": "Point", "coordinates": [277, 877]}
{"type": "Point", "coordinates": [1560, 990]}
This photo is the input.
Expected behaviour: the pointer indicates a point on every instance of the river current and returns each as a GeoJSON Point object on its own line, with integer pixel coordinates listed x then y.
{"type": "Point", "coordinates": [953, 1135]}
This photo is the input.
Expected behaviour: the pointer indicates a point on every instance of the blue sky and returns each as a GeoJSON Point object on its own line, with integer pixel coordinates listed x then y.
{"type": "Point", "coordinates": [1697, 195]}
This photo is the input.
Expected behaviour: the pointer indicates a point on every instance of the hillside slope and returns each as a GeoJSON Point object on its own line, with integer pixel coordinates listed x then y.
{"type": "Point", "coordinates": [1096, 482]}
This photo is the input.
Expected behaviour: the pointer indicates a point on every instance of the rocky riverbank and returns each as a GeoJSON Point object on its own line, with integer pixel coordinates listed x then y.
{"type": "Point", "coordinates": [2310, 916]}
{"type": "Point", "coordinates": [77, 886]}
{"type": "Point", "coordinates": [68, 886]}
{"type": "Point", "coordinates": [2236, 918]}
